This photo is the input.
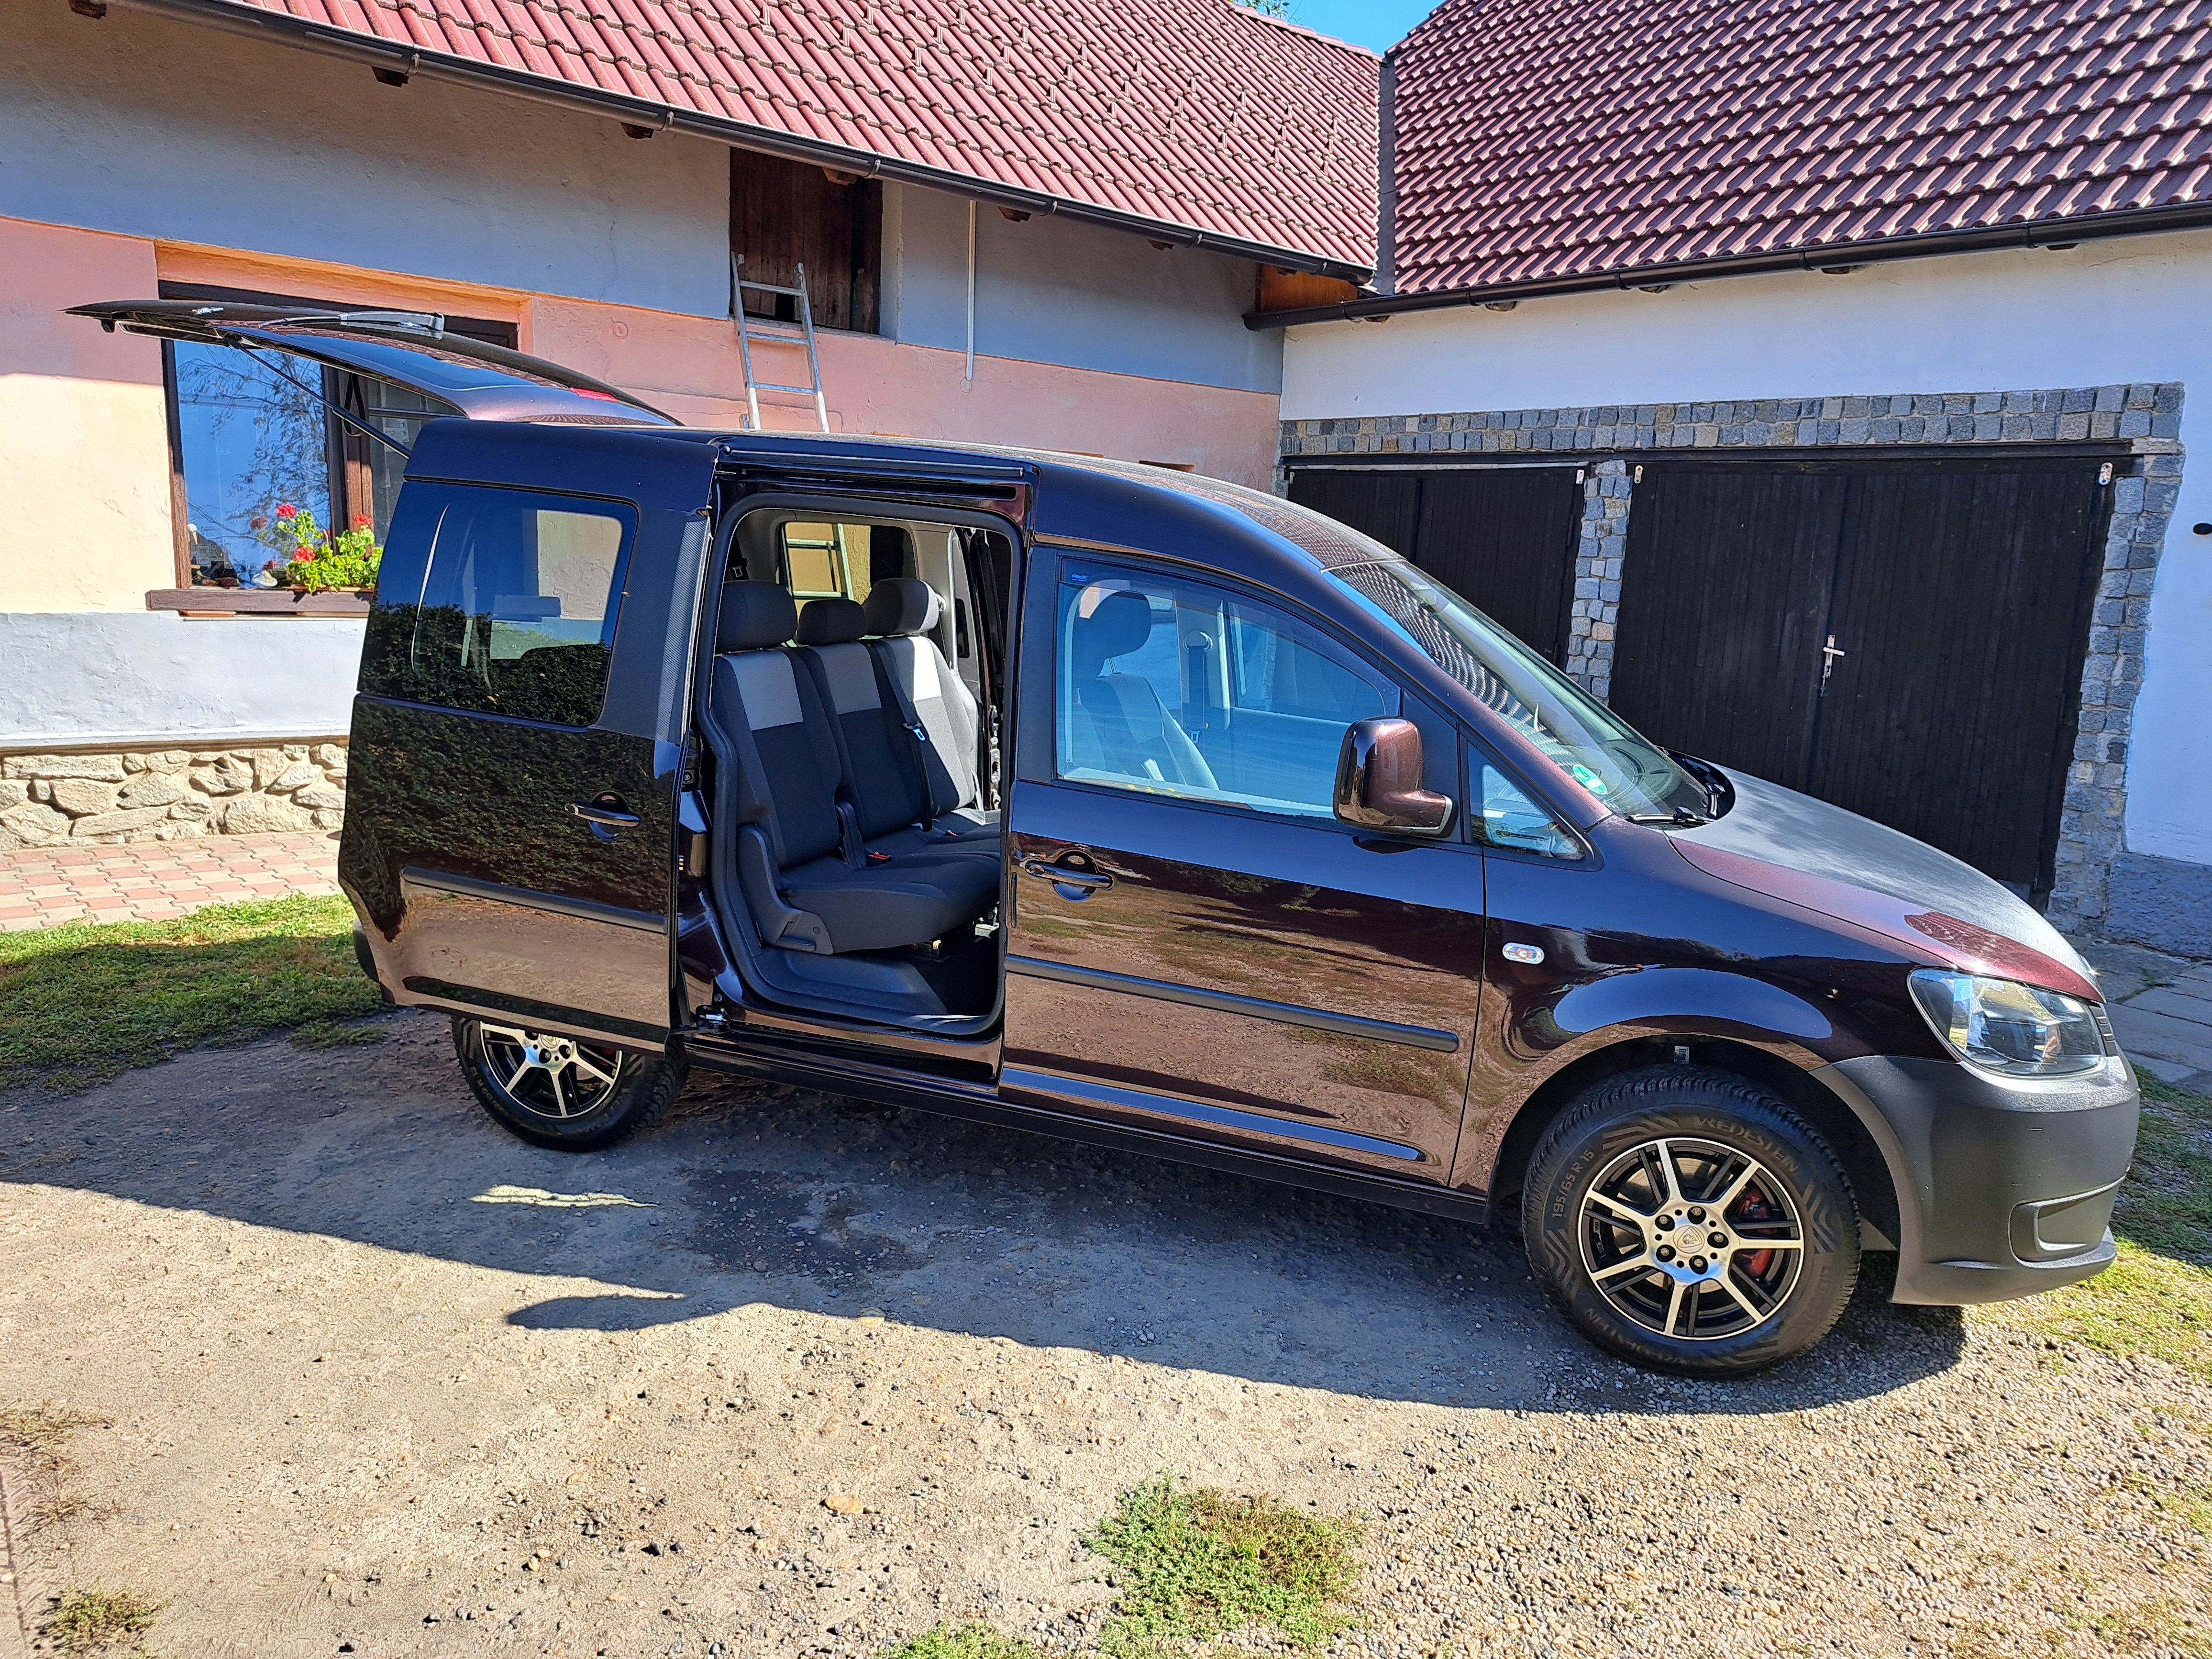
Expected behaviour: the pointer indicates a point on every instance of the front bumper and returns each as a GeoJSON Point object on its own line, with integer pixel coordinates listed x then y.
{"type": "Point", "coordinates": [2004, 1188]}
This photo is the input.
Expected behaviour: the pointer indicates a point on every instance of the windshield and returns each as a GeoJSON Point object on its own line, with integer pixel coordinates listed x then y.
{"type": "Point", "coordinates": [1580, 735]}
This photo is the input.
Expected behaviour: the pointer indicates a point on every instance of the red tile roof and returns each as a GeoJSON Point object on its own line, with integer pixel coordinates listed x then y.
{"type": "Point", "coordinates": [1193, 114]}
{"type": "Point", "coordinates": [1541, 140]}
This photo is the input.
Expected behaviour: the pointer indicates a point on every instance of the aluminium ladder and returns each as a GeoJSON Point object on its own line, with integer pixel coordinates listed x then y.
{"type": "Point", "coordinates": [751, 328]}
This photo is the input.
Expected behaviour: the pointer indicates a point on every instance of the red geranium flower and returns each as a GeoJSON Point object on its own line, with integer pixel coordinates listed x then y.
{"type": "Point", "coordinates": [359, 520]}
{"type": "Point", "coordinates": [286, 510]}
{"type": "Point", "coordinates": [261, 524]}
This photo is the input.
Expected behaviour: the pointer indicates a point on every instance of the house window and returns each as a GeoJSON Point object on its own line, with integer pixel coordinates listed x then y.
{"type": "Point", "coordinates": [784, 215]}
{"type": "Point", "coordinates": [250, 434]}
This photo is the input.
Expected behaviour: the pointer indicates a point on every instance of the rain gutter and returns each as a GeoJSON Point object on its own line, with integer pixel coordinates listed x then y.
{"type": "Point", "coordinates": [388, 57]}
{"type": "Point", "coordinates": [1833, 257]}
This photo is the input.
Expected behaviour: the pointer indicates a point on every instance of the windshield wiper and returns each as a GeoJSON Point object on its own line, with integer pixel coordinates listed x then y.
{"type": "Point", "coordinates": [1680, 818]}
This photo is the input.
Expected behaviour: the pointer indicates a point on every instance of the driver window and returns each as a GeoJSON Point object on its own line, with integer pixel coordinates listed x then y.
{"type": "Point", "coordinates": [1178, 687]}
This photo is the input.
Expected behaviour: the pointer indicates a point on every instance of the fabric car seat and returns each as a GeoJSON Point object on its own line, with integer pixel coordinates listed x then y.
{"type": "Point", "coordinates": [936, 706]}
{"type": "Point", "coordinates": [1118, 724]}
{"type": "Point", "coordinates": [883, 757]}
{"type": "Point", "coordinates": [804, 873]}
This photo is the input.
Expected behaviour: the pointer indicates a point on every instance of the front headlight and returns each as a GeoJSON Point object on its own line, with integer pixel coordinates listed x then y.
{"type": "Point", "coordinates": [2000, 1025]}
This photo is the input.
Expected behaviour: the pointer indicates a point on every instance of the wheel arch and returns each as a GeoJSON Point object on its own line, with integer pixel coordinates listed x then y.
{"type": "Point", "coordinates": [1873, 1187]}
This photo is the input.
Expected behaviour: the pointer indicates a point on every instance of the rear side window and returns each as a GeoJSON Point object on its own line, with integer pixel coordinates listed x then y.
{"type": "Point", "coordinates": [499, 601]}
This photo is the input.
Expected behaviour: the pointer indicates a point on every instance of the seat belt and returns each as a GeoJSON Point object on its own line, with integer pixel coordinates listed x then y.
{"type": "Point", "coordinates": [911, 761]}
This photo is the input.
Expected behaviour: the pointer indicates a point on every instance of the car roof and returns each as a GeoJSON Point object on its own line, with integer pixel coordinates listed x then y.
{"type": "Point", "coordinates": [1107, 504]}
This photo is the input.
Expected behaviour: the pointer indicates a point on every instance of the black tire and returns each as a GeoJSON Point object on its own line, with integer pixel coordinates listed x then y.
{"type": "Point", "coordinates": [581, 1114]}
{"type": "Point", "coordinates": [1705, 1310]}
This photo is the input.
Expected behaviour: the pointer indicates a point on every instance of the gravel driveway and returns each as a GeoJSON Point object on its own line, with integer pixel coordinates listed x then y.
{"type": "Point", "coordinates": [383, 1381]}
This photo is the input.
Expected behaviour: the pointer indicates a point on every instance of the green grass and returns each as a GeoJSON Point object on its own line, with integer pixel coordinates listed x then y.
{"type": "Point", "coordinates": [82, 1002]}
{"type": "Point", "coordinates": [961, 1642]}
{"type": "Point", "coordinates": [1190, 1566]}
{"type": "Point", "coordinates": [2166, 1205]}
{"type": "Point", "coordinates": [102, 1621]}
{"type": "Point", "coordinates": [2157, 1299]}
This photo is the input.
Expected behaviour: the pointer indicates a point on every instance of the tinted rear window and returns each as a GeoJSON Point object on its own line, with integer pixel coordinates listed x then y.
{"type": "Point", "coordinates": [500, 602]}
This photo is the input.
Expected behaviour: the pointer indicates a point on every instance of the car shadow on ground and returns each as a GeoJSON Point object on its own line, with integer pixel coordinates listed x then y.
{"type": "Point", "coordinates": [750, 1194]}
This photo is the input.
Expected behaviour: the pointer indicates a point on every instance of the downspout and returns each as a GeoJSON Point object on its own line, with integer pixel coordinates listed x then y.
{"type": "Point", "coordinates": [1386, 182]}
{"type": "Point", "coordinates": [967, 380]}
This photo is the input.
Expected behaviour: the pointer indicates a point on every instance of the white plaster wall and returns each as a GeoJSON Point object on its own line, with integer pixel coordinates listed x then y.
{"type": "Point", "coordinates": [73, 679]}
{"type": "Point", "coordinates": [1051, 290]}
{"type": "Point", "coordinates": [2133, 310]}
{"type": "Point", "coordinates": [144, 125]}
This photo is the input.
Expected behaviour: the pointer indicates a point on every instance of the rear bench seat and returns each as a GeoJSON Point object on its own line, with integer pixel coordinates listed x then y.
{"type": "Point", "coordinates": [808, 878]}
{"type": "Point", "coordinates": [907, 758]}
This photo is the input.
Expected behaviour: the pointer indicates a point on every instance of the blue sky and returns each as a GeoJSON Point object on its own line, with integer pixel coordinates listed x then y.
{"type": "Point", "coordinates": [1377, 23]}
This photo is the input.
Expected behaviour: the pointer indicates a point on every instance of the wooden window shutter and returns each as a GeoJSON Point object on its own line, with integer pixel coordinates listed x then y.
{"type": "Point", "coordinates": [786, 214]}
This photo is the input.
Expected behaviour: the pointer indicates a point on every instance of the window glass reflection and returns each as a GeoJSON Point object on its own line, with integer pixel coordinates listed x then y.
{"type": "Point", "coordinates": [263, 451]}
{"type": "Point", "coordinates": [251, 441]}
{"type": "Point", "coordinates": [1179, 687]}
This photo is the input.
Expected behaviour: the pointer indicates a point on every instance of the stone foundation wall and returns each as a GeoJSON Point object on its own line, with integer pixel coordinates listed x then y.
{"type": "Point", "coordinates": [109, 797]}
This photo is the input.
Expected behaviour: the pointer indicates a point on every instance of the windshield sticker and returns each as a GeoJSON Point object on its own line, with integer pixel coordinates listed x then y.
{"type": "Point", "coordinates": [1588, 780]}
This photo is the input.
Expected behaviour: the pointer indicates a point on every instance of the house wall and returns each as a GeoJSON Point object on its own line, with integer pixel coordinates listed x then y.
{"type": "Point", "coordinates": [1058, 291]}
{"type": "Point", "coordinates": [84, 445]}
{"type": "Point", "coordinates": [145, 125]}
{"type": "Point", "coordinates": [137, 150]}
{"type": "Point", "coordinates": [2117, 315]}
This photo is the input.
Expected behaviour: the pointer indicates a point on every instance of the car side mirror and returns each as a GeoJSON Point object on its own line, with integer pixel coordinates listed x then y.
{"type": "Point", "coordinates": [1378, 780]}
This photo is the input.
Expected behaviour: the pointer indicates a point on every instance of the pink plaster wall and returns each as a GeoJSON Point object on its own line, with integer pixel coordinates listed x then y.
{"type": "Point", "coordinates": [691, 366]}
{"type": "Point", "coordinates": [84, 450]}
{"type": "Point", "coordinates": [84, 462]}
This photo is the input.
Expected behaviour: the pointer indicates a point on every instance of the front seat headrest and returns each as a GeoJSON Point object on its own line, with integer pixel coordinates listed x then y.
{"type": "Point", "coordinates": [1122, 622]}
{"type": "Point", "coordinates": [831, 621]}
{"type": "Point", "coordinates": [756, 616]}
{"type": "Point", "coordinates": [902, 605]}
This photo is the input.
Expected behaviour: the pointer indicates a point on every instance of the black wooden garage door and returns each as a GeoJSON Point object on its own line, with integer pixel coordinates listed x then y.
{"type": "Point", "coordinates": [1501, 538]}
{"type": "Point", "coordinates": [1902, 639]}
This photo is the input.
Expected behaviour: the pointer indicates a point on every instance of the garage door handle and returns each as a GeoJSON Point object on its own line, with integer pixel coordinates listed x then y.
{"type": "Point", "coordinates": [1061, 875]}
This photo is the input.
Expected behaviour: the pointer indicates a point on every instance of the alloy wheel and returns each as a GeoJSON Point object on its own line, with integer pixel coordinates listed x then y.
{"type": "Point", "coordinates": [1692, 1240]}
{"type": "Point", "coordinates": [547, 1075]}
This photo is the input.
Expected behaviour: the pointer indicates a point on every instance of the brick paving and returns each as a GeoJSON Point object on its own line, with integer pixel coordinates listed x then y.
{"type": "Point", "coordinates": [40, 887]}
{"type": "Point", "coordinates": [2166, 1028]}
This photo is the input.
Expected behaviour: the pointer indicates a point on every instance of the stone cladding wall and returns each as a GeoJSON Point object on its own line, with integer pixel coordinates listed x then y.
{"type": "Point", "coordinates": [108, 797]}
{"type": "Point", "coordinates": [1610, 441]}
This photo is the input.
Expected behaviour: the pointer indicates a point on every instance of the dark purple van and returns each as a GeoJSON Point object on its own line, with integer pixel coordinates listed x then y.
{"type": "Point", "coordinates": [1116, 803]}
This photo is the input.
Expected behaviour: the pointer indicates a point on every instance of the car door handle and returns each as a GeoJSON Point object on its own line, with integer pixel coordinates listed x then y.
{"type": "Point", "coordinates": [606, 813]}
{"type": "Point", "coordinates": [1061, 875]}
